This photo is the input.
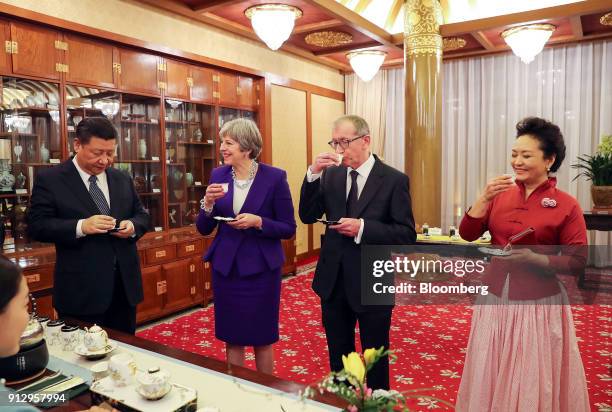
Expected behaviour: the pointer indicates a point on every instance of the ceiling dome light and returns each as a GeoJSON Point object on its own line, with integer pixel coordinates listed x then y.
{"type": "Point", "coordinates": [366, 63]}
{"type": "Point", "coordinates": [273, 23]}
{"type": "Point", "coordinates": [528, 41]}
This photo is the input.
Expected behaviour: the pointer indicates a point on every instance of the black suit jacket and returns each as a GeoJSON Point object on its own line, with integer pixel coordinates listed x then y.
{"type": "Point", "coordinates": [85, 267]}
{"type": "Point", "coordinates": [385, 207]}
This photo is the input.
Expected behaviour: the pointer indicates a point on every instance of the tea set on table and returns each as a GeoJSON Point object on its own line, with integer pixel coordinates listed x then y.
{"type": "Point", "coordinates": [93, 343]}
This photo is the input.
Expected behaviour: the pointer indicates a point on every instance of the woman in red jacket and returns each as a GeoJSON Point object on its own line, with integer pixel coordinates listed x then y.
{"type": "Point", "coordinates": [522, 353]}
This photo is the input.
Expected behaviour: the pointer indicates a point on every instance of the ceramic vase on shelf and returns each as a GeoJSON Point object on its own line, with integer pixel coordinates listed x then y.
{"type": "Point", "coordinates": [197, 135]}
{"type": "Point", "coordinates": [18, 149]}
{"type": "Point", "coordinates": [142, 148]}
{"type": "Point", "coordinates": [44, 153]}
{"type": "Point", "coordinates": [7, 180]}
{"type": "Point", "coordinates": [20, 181]}
{"type": "Point", "coordinates": [189, 178]}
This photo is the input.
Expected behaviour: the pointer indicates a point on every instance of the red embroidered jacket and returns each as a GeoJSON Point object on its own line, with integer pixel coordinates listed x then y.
{"type": "Point", "coordinates": [556, 223]}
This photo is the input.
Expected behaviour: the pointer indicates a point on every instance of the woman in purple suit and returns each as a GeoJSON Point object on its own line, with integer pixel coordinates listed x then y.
{"type": "Point", "coordinates": [246, 254]}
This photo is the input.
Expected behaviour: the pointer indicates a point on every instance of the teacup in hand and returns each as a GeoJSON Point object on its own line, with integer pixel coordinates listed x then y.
{"type": "Point", "coordinates": [225, 187]}
{"type": "Point", "coordinates": [122, 369]}
{"type": "Point", "coordinates": [339, 160]}
{"type": "Point", "coordinates": [95, 338]}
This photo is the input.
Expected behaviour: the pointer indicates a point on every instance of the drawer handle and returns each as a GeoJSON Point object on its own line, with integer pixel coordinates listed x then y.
{"type": "Point", "coordinates": [33, 278]}
{"type": "Point", "coordinates": [161, 287]}
{"type": "Point", "coordinates": [206, 265]}
{"type": "Point", "coordinates": [192, 268]}
{"type": "Point", "coordinates": [189, 248]}
{"type": "Point", "coordinates": [207, 285]}
{"type": "Point", "coordinates": [193, 290]}
{"type": "Point", "coordinates": [160, 253]}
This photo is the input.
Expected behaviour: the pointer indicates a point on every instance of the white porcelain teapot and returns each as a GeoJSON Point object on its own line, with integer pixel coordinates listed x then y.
{"type": "Point", "coordinates": [95, 338]}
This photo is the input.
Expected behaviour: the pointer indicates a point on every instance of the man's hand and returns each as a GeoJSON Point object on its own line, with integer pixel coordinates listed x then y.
{"type": "Point", "coordinates": [323, 161]}
{"type": "Point", "coordinates": [347, 226]}
{"type": "Point", "coordinates": [126, 229]}
{"type": "Point", "coordinates": [97, 224]}
{"type": "Point", "coordinates": [245, 221]}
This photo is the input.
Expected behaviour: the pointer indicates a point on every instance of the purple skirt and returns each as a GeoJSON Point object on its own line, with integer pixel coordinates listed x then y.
{"type": "Point", "coordinates": [246, 308]}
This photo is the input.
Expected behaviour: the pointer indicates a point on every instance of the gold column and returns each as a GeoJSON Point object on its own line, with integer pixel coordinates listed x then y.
{"type": "Point", "coordinates": [423, 99]}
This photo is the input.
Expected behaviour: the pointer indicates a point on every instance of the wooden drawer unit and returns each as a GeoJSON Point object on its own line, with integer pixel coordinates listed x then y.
{"type": "Point", "coordinates": [39, 279]}
{"type": "Point", "coordinates": [160, 254]}
{"type": "Point", "coordinates": [194, 247]}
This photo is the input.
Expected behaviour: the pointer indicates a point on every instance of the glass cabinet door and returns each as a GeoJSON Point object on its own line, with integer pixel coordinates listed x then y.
{"type": "Point", "coordinates": [138, 145]}
{"type": "Point", "coordinates": [29, 140]}
{"type": "Point", "coordinates": [190, 157]}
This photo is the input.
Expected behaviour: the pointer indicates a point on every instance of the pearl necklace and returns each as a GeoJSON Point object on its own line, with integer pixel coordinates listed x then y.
{"type": "Point", "coordinates": [252, 172]}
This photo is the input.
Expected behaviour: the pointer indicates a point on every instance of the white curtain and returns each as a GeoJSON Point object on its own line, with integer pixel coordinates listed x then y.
{"type": "Point", "coordinates": [394, 130]}
{"type": "Point", "coordinates": [484, 98]}
{"type": "Point", "coordinates": [369, 100]}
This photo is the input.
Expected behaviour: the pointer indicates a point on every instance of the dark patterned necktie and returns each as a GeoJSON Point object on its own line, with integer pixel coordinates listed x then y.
{"type": "Point", "coordinates": [98, 197]}
{"type": "Point", "coordinates": [351, 201]}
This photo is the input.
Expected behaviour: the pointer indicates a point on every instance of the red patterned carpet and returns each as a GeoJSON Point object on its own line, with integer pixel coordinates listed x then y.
{"type": "Point", "coordinates": [429, 341]}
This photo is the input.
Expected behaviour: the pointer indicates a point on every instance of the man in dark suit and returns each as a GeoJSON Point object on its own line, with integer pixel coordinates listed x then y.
{"type": "Point", "coordinates": [372, 203]}
{"type": "Point", "coordinates": [79, 205]}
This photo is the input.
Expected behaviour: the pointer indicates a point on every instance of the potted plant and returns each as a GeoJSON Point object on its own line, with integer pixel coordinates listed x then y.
{"type": "Point", "coordinates": [598, 169]}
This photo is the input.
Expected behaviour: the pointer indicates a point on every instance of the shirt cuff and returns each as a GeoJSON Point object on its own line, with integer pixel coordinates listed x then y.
{"type": "Point", "coordinates": [79, 229]}
{"type": "Point", "coordinates": [311, 177]}
{"type": "Point", "coordinates": [133, 228]}
{"type": "Point", "coordinates": [358, 237]}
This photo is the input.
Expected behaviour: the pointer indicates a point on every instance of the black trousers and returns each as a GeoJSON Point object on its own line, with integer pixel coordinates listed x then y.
{"type": "Point", "coordinates": [339, 321]}
{"type": "Point", "coordinates": [120, 315]}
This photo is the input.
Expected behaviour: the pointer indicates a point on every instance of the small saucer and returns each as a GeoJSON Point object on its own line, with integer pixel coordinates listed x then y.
{"type": "Point", "coordinates": [494, 252]}
{"type": "Point", "coordinates": [141, 393]}
{"type": "Point", "coordinates": [98, 354]}
{"type": "Point", "coordinates": [225, 219]}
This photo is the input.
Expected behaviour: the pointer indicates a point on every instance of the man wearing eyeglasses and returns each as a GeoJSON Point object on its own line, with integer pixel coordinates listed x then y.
{"type": "Point", "coordinates": [371, 203]}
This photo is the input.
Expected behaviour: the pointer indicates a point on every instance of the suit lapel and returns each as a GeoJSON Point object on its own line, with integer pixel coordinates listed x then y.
{"type": "Point", "coordinates": [374, 182]}
{"type": "Point", "coordinates": [225, 205]}
{"type": "Point", "coordinates": [75, 185]}
{"type": "Point", "coordinates": [338, 184]}
{"type": "Point", "coordinates": [257, 193]}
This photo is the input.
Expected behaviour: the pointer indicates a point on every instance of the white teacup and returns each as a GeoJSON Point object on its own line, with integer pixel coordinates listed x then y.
{"type": "Point", "coordinates": [225, 187]}
{"type": "Point", "coordinates": [154, 384]}
{"type": "Point", "coordinates": [122, 369]}
{"type": "Point", "coordinates": [70, 337]}
{"type": "Point", "coordinates": [339, 161]}
{"type": "Point", "coordinates": [54, 332]}
{"type": "Point", "coordinates": [95, 338]}
{"type": "Point", "coordinates": [99, 370]}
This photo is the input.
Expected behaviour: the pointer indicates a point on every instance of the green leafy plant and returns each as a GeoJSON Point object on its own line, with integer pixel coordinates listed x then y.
{"type": "Point", "coordinates": [597, 167]}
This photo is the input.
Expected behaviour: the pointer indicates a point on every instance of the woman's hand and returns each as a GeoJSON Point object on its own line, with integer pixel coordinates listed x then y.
{"type": "Point", "coordinates": [496, 186]}
{"type": "Point", "coordinates": [245, 221]}
{"type": "Point", "coordinates": [526, 255]}
{"type": "Point", "coordinates": [214, 191]}
{"type": "Point", "coordinates": [493, 188]}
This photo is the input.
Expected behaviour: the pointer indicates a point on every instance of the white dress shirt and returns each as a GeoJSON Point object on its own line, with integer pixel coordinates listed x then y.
{"type": "Point", "coordinates": [362, 177]}
{"type": "Point", "coordinates": [240, 194]}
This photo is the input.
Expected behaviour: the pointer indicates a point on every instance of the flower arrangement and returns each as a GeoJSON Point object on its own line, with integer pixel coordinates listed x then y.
{"type": "Point", "coordinates": [350, 384]}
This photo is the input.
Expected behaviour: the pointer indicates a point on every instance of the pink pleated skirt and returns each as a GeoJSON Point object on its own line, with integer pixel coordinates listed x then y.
{"type": "Point", "coordinates": [523, 357]}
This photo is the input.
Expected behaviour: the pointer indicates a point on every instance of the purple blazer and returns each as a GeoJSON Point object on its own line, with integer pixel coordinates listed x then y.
{"type": "Point", "coordinates": [251, 251]}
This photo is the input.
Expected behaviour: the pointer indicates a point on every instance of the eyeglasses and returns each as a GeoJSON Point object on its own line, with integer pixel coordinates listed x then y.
{"type": "Point", "coordinates": [343, 143]}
